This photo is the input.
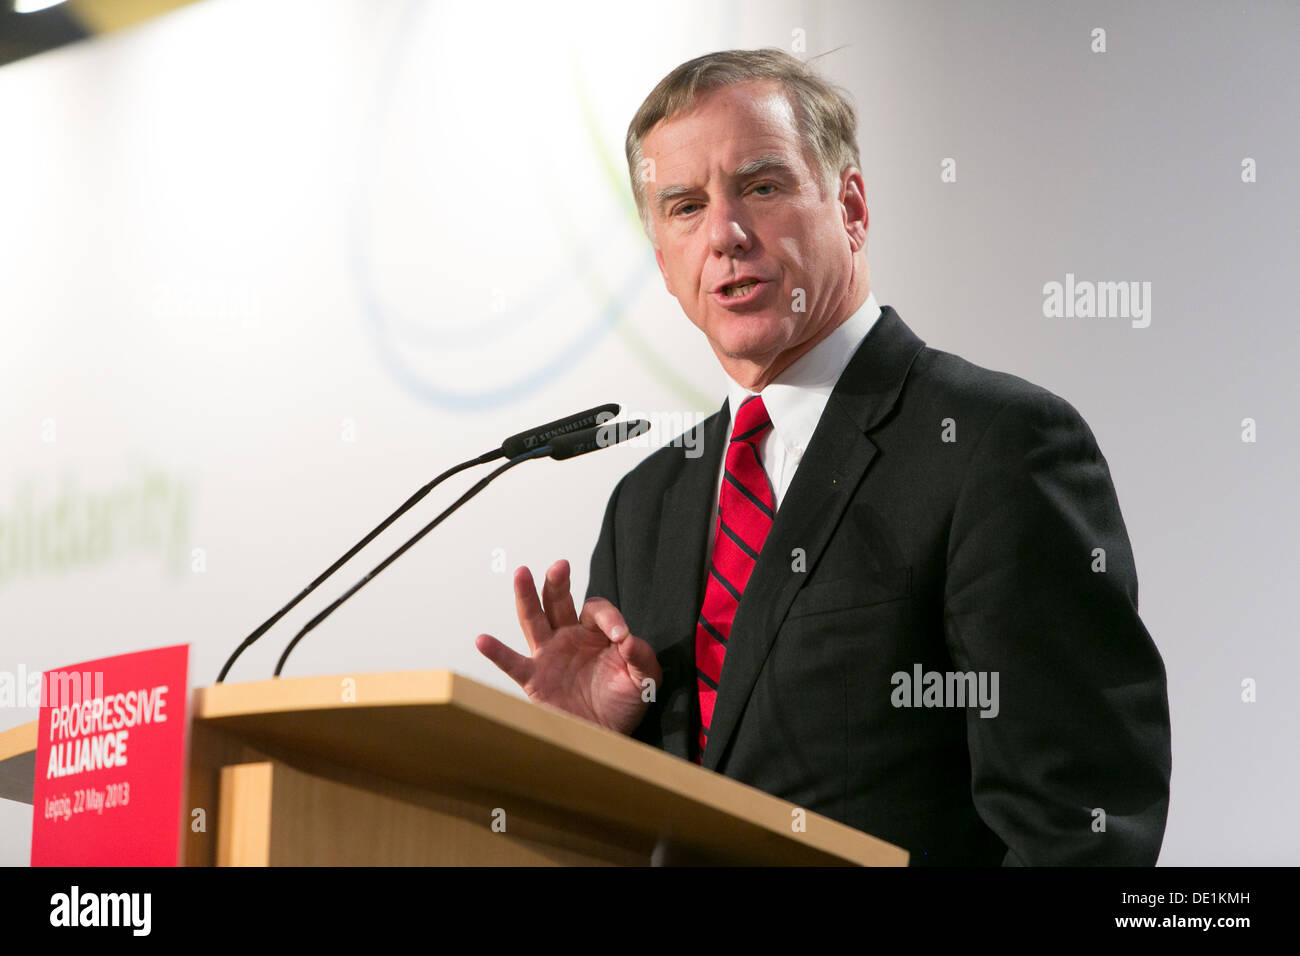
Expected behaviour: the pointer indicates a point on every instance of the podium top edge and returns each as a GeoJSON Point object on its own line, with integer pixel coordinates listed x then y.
{"type": "Point", "coordinates": [17, 741]}
{"type": "Point", "coordinates": [325, 692]}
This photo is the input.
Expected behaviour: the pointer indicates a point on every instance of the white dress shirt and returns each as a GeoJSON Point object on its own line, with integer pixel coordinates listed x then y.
{"type": "Point", "coordinates": [795, 400]}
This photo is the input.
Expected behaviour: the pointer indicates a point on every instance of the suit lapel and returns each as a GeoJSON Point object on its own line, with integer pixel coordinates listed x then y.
{"type": "Point", "coordinates": [688, 509]}
{"type": "Point", "coordinates": [838, 457]}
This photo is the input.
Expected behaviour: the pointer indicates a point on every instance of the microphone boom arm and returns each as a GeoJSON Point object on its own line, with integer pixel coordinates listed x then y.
{"type": "Point", "coordinates": [541, 452]}
{"type": "Point", "coordinates": [406, 506]}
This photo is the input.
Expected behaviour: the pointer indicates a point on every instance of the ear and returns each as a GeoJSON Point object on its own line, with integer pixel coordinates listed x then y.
{"type": "Point", "coordinates": [853, 203]}
{"type": "Point", "coordinates": [659, 258]}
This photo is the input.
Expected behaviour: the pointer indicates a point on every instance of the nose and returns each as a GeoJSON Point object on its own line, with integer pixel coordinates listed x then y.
{"type": "Point", "coordinates": [728, 230]}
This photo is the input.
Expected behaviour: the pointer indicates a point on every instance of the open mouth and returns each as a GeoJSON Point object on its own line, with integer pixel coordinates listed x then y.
{"type": "Point", "coordinates": [739, 289]}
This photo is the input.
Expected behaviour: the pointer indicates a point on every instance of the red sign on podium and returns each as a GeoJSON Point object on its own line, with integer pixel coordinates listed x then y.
{"type": "Point", "coordinates": [110, 761]}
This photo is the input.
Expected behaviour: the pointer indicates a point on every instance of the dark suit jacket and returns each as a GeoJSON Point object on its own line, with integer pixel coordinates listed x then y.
{"type": "Point", "coordinates": [978, 554]}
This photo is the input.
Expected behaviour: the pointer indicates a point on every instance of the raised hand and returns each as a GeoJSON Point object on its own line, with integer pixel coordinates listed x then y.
{"type": "Point", "coordinates": [589, 665]}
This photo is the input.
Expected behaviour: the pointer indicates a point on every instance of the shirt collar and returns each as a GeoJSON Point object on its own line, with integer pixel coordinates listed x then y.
{"type": "Point", "coordinates": [796, 398]}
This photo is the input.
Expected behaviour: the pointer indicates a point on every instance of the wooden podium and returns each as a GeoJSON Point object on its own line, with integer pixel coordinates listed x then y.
{"type": "Point", "coordinates": [431, 768]}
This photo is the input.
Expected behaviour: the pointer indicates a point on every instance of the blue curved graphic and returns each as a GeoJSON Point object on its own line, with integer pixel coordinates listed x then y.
{"type": "Point", "coordinates": [381, 324]}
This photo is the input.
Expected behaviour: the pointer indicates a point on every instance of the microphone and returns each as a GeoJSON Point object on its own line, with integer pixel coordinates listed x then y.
{"type": "Point", "coordinates": [589, 439]}
{"type": "Point", "coordinates": [512, 447]}
{"type": "Point", "coordinates": [516, 445]}
{"type": "Point", "coordinates": [562, 447]}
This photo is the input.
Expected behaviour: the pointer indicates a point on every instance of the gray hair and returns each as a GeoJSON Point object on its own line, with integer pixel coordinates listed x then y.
{"type": "Point", "coordinates": [826, 118]}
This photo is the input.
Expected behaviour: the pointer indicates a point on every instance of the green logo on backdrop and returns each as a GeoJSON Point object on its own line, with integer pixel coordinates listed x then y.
{"type": "Point", "coordinates": [51, 527]}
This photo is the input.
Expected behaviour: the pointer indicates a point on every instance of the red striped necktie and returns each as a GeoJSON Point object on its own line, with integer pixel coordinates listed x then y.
{"type": "Point", "coordinates": [746, 508]}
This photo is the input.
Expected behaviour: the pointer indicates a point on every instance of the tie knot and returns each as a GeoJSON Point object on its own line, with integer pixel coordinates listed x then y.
{"type": "Point", "coordinates": [751, 419]}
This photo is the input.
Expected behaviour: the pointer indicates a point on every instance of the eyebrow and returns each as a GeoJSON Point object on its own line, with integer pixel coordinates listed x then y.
{"type": "Point", "coordinates": [763, 164]}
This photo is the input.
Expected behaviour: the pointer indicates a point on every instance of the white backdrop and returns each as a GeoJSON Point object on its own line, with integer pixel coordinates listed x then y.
{"type": "Point", "coordinates": [267, 267]}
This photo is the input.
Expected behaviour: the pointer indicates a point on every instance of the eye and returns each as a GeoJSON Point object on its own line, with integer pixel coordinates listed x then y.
{"type": "Point", "coordinates": [680, 210]}
{"type": "Point", "coordinates": [765, 186]}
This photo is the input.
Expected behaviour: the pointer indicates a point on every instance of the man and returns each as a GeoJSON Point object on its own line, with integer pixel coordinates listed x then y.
{"type": "Point", "coordinates": [896, 588]}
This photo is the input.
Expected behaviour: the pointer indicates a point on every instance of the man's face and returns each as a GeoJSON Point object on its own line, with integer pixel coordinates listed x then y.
{"type": "Point", "coordinates": [733, 198]}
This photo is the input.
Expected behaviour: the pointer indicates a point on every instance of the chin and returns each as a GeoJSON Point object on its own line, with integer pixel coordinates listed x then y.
{"type": "Point", "coordinates": [757, 337]}
{"type": "Point", "coordinates": [749, 350]}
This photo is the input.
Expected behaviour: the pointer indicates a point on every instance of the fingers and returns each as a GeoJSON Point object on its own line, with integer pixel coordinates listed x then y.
{"type": "Point", "coordinates": [637, 654]}
{"type": "Point", "coordinates": [528, 608]}
{"type": "Point", "coordinates": [517, 667]}
{"type": "Point", "coordinates": [557, 599]}
{"type": "Point", "coordinates": [640, 659]}
{"type": "Point", "coordinates": [598, 613]}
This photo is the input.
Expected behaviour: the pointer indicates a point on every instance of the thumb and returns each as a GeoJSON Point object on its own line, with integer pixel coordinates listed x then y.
{"type": "Point", "coordinates": [638, 655]}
